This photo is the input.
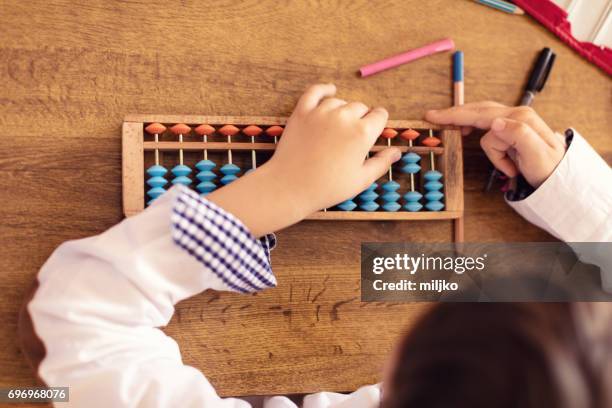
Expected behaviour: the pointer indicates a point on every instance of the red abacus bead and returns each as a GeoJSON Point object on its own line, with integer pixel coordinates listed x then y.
{"type": "Point", "coordinates": [252, 130]}
{"type": "Point", "coordinates": [431, 141]}
{"type": "Point", "coordinates": [204, 130]}
{"type": "Point", "coordinates": [274, 131]}
{"type": "Point", "coordinates": [388, 133]}
{"type": "Point", "coordinates": [155, 128]}
{"type": "Point", "coordinates": [180, 129]}
{"type": "Point", "coordinates": [229, 130]}
{"type": "Point", "coordinates": [409, 134]}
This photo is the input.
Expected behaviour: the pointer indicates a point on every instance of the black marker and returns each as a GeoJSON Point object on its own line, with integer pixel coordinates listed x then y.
{"type": "Point", "coordinates": [537, 80]}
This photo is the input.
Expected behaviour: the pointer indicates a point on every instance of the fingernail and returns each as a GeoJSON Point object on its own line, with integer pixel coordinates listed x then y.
{"type": "Point", "coordinates": [498, 124]}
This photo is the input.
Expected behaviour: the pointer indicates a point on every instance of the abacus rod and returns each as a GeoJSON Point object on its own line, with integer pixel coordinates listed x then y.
{"type": "Point", "coordinates": [431, 156]}
{"type": "Point", "coordinates": [156, 150]}
{"type": "Point", "coordinates": [411, 174]}
{"type": "Point", "coordinates": [390, 167]}
{"type": "Point", "coordinates": [253, 156]}
{"type": "Point", "coordinates": [229, 151]}
{"type": "Point", "coordinates": [180, 150]}
{"type": "Point", "coordinates": [205, 140]}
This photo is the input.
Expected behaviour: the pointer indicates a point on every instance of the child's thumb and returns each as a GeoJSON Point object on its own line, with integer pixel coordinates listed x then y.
{"type": "Point", "coordinates": [377, 165]}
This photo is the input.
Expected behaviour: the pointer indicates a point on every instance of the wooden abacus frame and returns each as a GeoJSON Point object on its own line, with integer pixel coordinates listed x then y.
{"type": "Point", "coordinates": [134, 147]}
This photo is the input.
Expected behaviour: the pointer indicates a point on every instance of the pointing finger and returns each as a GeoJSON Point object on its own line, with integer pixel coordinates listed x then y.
{"type": "Point", "coordinates": [376, 166]}
{"type": "Point", "coordinates": [480, 117]}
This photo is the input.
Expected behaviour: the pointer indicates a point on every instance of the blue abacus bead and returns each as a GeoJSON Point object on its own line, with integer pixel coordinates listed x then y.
{"type": "Point", "coordinates": [432, 175]}
{"type": "Point", "coordinates": [156, 171]}
{"type": "Point", "coordinates": [434, 206]}
{"type": "Point", "coordinates": [411, 157]}
{"type": "Point", "coordinates": [155, 192]}
{"type": "Point", "coordinates": [225, 180]}
{"type": "Point", "coordinates": [413, 206]}
{"type": "Point", "coordinates": [348, 205]}
{"type": "Point", "coordinates": [390, 196]}
{"type": "Point", "coordinates": [390, 186]}
{"type": "Point", "coordinates": [206, 175]}
{"type": "Point", "coordinates": [368, 195]}
{"type": "Point", "coordinates": [433, 186]}
{"type": "Point", "coordinates": [412, 201]}
{"type": "Point", "coordinates": [413, 196]}
{"type": "Point", "coordinates": [369, 206]}
{"type": "Point", "coordinates": [181, 180]}
{"type": "Point", "coordinates": [391, 206]}
{"type": "Point", "coordinates": [157, 181]}
{"type": "Point", "coordinates": [411, 168]}
{"type": "Point", "coordinates": [205, 165]}
{"type": "Point", "coordinates": [181, 170]}
{"type": "Point", "coordinates": [434, 196]}
{"type": "Point", "coordinates": [206, 187]}
{"type": "Point", "coordinates": [230, 169]}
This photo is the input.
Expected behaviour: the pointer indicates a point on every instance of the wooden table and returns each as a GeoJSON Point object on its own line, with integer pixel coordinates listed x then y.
{"type": "Point", "coordinates": [72, 70]}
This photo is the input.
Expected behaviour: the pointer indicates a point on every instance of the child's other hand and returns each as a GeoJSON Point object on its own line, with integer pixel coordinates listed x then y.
{"type": "Point", "coordinates": [518, 140]}
{"type": "Point", "coordinates": [322, 152]}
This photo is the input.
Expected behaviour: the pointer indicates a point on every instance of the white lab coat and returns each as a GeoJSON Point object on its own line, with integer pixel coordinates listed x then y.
{"type": "Point", "coordinates": [102, 299]}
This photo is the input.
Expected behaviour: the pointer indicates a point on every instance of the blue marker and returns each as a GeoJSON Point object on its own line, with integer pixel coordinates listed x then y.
{"type": "Point", "coordinates": [458, 78]}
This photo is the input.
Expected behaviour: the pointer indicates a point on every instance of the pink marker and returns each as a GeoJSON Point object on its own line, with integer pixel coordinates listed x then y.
{"type": "Point", "coordinates": [439, 46]}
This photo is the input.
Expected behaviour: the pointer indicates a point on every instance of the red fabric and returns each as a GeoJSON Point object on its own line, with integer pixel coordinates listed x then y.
{"type": "Point", "coordinates": [555, 19]}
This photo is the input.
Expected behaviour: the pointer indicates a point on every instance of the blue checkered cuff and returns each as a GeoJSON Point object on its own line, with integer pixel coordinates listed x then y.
{"type": "Point", "coordinates": [222, 243]}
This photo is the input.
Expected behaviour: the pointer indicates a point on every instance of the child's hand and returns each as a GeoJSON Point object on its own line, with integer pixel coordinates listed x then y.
{"type": "Point", "coordinates": [322, 152]}
{"type": "Point", "coordinates": [320, 161]}
{"type": "Point", "coordinates": [517, 138]}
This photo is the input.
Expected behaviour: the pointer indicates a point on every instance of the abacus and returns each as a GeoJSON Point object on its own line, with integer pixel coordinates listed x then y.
{"type": "Point", "coordinates": [208, 152]}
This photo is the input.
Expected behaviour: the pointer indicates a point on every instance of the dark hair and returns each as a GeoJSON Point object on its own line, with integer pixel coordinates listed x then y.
{"type": "Point", "coordinates": [501, 355]}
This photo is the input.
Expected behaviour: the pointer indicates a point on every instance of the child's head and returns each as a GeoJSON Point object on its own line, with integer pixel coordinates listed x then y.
{"type": "Point", "coordinates": [505, 355]}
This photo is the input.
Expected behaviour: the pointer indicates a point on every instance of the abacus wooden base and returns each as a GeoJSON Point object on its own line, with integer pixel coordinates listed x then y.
{"type": "Point", "coordinates": [137, 145]}
{"type": "Point", "coordinates": [385, 215]}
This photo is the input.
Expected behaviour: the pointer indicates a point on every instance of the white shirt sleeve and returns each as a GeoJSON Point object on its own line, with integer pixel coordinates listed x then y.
{"type": "Point", "coordinates": [101, 300]}
{"type": "Point", "coordinates": [575, 204]}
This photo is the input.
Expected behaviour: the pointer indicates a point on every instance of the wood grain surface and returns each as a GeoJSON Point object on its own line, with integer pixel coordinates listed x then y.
{"type": "Point", "coordinates": [70, 71]}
